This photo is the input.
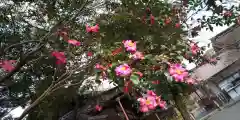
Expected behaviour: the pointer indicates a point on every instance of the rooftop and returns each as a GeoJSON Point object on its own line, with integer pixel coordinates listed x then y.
{"type": "Point", "coordinates": [230, 29]}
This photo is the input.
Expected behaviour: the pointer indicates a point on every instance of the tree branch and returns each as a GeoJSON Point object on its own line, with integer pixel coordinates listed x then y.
{"type": "Point", "coordinates": [52, 86]}
{"type": "Point", "coordinates": [22, 62]}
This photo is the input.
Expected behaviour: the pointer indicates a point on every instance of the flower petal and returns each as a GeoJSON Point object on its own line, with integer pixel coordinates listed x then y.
{"type": "Point", "coordinates": [74, 42]}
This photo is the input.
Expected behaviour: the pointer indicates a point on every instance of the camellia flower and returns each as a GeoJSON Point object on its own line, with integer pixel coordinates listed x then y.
{"type": "Point", "coordinates": [156, 82]}
{"type": "Point", "coordinates": [190, 81]}
{"type": "Point", "coordinates": [140, 74]}
{"type": "Point", "coordinates": [7, 65]}
{"type": "Point", "coordinates": [151, 93]}
{"type": "Point", "coordinates": [152, 19]}
{"type": "Point", "coordinates": [74, 42]}
{"type": "Point", "coordinates": [227, 13]}
{"type": "Point", "coordinates": [93, 29]}
{"type": "Point", "coordinates": [98, 108]}
{"type": "Point", "coordinates": [61, 58]}
{"type": "Point", "coordinates": [194, 48]}
{"type": "Point", "coordinates": [123, 70]}
{"type": "Point", "coordinates": [148, 101]}
{"type": "Point", "coordinates": [161, 103]}
{"type": "Point", "coordinates": [167, 21]}
{"type": "Point", "coordinates": [178, 72]}
{"type": "Point", "coordinates": [178, 25]}
{"type": "Point", "coordinates": [138, 56]}
{"type": "Point", "coordinates": [130, 45]}
{"type": "Point", "coordinates": [100, 67]}
{"type": "Point", "coordinates": [89, 54]}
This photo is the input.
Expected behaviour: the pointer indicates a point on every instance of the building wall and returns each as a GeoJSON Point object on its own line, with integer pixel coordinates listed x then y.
{"type": "Point", "coordinates": [213, 87]}
{"type": "Point", "coordinates": [207, 71]}
{"type": "Point", "coordinates": [227, 38]}
{"type": "Point", "coordinates": [235, 67]}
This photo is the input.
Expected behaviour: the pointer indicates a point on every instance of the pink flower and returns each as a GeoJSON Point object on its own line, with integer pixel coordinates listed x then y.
{"type": "Point", "coordinates": [138, 56]}
{"type": "Point", "coordinates": [93, 29]}
{"type": "Point", "coordinates": [151, 93]}
{"type": "Point", "coordinates": [177, 25]}
{"type": "Point", "coordinates": [178, 72]}
{"type": "Point", "coordinates": [61, 58]}
{"type": "Point", "coordinates": [167, 21]}
{"type": "Point", "coordinates": [194, 48]}
{"type": "Point", "coordinates": [156, 82]}
{"type": "Point", "coordinates": [98, 108]}
{"type": "Point", "coordinates": [130, 45]}
{"type": "Point", "coordinates": [100, 67]}
{"type": "Point", "coordinates": [161, 103]}
{"type": "Point", "coordinates": [74, 42]}
{"type": "Point", "coordinates": [139, 73]}
{"type": "Point", "coordinates": [190, 81]}
{"type": "Point", "coordinates": [123, 70]}
{"type": "Point", "coordinates": [144, 109]}
{"type": "Point", "coordinates": [7, 65]}
{"type": "Point", "coordinates": [151, 102]}
{"type": "Point", "coordinates": [227, 13]}
{"type": "Point", "coordinates": [147, 103]}
{"type": "Point", "coordinates": [89, 54]}
{"type": "Point", "coordinates": [152, 18]}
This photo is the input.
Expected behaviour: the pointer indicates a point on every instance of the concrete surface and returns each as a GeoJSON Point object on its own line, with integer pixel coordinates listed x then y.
{"type": "Point", "coordinates": [228, 113]}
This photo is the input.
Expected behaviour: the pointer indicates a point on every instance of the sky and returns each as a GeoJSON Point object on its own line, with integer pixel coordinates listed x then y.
{"type": "Point", "coordinates": [204, 36]}
{"type": "Point", "coordinates": [204, 39]}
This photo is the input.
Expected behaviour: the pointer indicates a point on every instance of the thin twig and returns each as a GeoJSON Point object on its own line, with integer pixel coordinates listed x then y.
{"type": "Point", "coordinates": [22, 62]}
{"type": "Point", "coordinates": [157, 116]}
{"type": "Point", "coordinates": [21, 43]}
{"type": "Point", "coordinates": [124, 112]}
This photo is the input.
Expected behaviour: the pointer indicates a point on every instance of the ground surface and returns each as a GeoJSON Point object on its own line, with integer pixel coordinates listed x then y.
{"type": "Point", "coordinates": [230, 113]}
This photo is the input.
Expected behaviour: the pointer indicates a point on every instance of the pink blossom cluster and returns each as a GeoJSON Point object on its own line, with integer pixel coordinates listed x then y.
{"type": "Point", "coordinates": [180, 74]}
{"type": "Point", "coordinates": [61, 58]}
{"type": "Point", "coordinates": [131, 47]}
{"type": "Point", "coordinates": [150, 101]}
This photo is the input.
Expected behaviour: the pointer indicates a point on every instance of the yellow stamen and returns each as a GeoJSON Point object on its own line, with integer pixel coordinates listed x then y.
{"type": "Point", "coordinates": [123, 68]}
{"type": "Point", "coordinates": [178, 72]}
{"type": "Point", "coordinates": [130, 44]}
{"type": "Point", "coordinates": [148, 102]}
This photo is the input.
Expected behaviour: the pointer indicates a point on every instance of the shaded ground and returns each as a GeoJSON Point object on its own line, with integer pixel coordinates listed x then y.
{"type": "Point", "coordinates": [230, 113]}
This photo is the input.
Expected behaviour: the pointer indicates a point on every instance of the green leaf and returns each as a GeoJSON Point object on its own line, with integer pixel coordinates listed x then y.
{"type": "Point", "coordinates": [135, 79]}
{"type": "Point", "coordinates": [149, 56]}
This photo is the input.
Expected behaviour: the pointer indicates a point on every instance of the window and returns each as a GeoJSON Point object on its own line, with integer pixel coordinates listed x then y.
{"type": "Point", "coordinates": [230, 82]}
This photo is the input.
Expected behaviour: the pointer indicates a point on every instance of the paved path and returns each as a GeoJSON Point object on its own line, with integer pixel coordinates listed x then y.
{"type": "Point", "coordinates": [231, 113]}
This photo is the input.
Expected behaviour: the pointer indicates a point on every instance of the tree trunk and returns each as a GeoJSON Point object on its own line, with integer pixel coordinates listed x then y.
{"type": "Point", "coordinates": [179, 102]}
{"type": "Point", "coordinates": [34, 104]}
